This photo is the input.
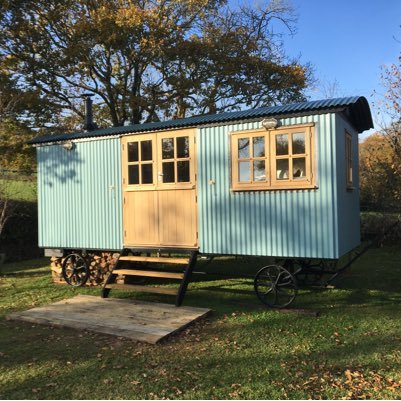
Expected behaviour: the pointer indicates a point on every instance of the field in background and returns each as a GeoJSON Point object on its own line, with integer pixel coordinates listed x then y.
{"type": "Point", "coordinates": [243, 351]}
{"type": "Point", "coordinates": [17, 187]}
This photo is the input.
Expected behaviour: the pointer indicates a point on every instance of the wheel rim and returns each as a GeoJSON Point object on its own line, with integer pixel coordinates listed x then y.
{"type": "Point", "coordinates": [275, 286]}
{"type": "Point", "coordinates": [75, 270]}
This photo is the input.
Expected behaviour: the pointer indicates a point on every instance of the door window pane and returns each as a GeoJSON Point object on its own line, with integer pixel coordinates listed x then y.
{"type": "Point", "coordinates": [146, 150]}
{"type": "Point", "coordinates": [182, 147]}
{"type": "Point", "coordinates": [243, 148]}
{"type": "Point", "coordinates": [282, 144]}
{"type": "Point", "coordinates": [299, 168]}
{"type": "Point", "coordinates": [133, 174]}
{"type": "Point", "coordinates": [147, 173]}
{"type": "Point", "coordinates": [168, 148]}
{"type": "Point", "coordinates": [133, 152]}
{"type": "Point", "coordinates": [282, 169]}
{"type": "Point", "coordinates": [298, 143]}
{"type": "Point", "coordinates": [259, 146]}
{"type": "Point", "coordinates": [168, 172]}
{"type": "Point", "coordinates": [244, 171]}
{"type": "Point", "coordinates": [183, 171]}
{"type": "Point", "coordinates": [259, 172]}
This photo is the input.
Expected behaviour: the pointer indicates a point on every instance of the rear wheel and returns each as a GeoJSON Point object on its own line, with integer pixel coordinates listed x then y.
{"type": "Point", "coordinates": [275, 286]}
{"type": "Point", "coordinates": [75, 270]}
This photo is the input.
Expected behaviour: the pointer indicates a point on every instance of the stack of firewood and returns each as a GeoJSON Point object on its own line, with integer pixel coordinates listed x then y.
{"type": "Point", "coordinates": [99, 263]}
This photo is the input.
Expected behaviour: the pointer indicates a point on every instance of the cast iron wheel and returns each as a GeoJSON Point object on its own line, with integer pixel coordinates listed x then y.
{"type": "Point", "coordinates": [275, 286]}
{"type": "Point", "coordinates": [75, 270]}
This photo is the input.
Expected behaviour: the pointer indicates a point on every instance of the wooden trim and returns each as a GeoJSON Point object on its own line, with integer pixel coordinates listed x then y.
{"type": "Point", "coordinates": [154, 259]}
{"type": "Point", "coordinates": [349, 163]}
{"type": "Point", "coordinates": [270, 158]}
{"type": "Point", "coordinates": [125, 163]}
{"type": "Point", "coordinates": [264, 130]}
{"type": "Point", "coordinates": [192, 161]}
{"type": "Point", "coordinates": [149, 273]}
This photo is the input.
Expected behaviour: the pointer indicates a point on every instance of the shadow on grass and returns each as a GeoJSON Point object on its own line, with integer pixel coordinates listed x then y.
{"type": "Point", "coordinates": [24, 266]}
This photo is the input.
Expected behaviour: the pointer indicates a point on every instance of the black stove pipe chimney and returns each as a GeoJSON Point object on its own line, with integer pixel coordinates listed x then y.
{"type": "Point", "coordinates": [89, 124]}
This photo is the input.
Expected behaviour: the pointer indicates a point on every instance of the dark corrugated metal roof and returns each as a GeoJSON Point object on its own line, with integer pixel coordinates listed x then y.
{"type": "Point", "coordinates": [356, 109]}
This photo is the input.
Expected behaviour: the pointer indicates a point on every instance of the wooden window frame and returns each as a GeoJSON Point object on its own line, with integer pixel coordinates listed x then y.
{"type": "Point", "coordinates": [272, 183]}
{"type": "Point", "coordinates": [234, 167]}
{"type": "Point", "coordinates": [156, 139]}
{"type": "Point", "coordinates": [139, 139]}
{"type": "Point", "coordinates": [191, 159]}
{"type": "Point", "coordinates": [349, 170]}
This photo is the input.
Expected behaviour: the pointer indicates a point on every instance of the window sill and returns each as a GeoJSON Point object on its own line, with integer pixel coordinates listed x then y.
{"type": "Point", "coordinates": [270, 189]}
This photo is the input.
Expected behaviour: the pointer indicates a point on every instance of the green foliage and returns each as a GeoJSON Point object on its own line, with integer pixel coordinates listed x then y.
{"type": "Point", "coordinates": [243, 351]}
{"type": "Point", "coordinates": [152, 59]}
{"type": "Point", "coordinates": [380, 174]}
{"type": "Point", "coordinates": [382, 227]}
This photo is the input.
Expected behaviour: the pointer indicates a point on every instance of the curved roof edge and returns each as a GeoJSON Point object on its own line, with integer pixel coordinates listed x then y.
{"type": "Point", "coordinates": [356, 109]}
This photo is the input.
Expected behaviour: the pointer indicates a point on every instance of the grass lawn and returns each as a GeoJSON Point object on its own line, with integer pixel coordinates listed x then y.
{"type": "Point", "coordinates": [19, 190]}
{"type": "Point", "coordinates": [244, 350]}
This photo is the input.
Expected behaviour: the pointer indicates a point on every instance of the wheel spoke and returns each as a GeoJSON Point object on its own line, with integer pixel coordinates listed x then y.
{"type": "Point", "coordinates": [275, 286]}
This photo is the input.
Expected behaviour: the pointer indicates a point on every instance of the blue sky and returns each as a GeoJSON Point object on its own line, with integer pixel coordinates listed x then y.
{"type": "Point", "coordinates": [347, 41]}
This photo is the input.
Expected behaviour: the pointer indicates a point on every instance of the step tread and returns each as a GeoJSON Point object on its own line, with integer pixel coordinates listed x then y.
{"type": "Point", "coordinates": [142, 288]}
{"type": "Point", "coordinates": [155, 259]}
{"type": "Point", "coordinates": [149, 273]}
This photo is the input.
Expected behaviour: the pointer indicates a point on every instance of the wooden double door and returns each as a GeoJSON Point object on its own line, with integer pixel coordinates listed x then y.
{"type": "Point", "coordinates": [159, 185]}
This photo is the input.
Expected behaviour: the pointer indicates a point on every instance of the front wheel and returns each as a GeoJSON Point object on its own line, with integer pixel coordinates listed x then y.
{"type": "Point", "coordinates": [275, 286]}
{"type": "Point", "coordinates": [75, 270]}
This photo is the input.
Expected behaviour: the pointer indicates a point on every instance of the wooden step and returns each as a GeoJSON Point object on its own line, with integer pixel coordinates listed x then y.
{"type": "Point", "coordinates": [142, 288]}
{"type": "Point", "coordinates": [148, 273]}
{"type": "Point", "coordinates": [155, 259]}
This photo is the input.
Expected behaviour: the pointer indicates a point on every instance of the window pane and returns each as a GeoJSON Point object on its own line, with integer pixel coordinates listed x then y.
{"type": "Point", "coordinates": [259, 172]}
{"type": "Point", "coordinates": [147, 173]}
{"type": "Point", "coordinates": [298, 143]}
{"type": "Point", "coordinates": [259, 146]}
{"type": "Point", "coordinates": [133, 152]}
{"type": "Point", "coordinates": [244, 171]}
{"type": "Point", "coordinates": [168, 148]}
{"type": "Point", "coordinates": [282, 144]}
{"type": "Point", "coordinates": [299, 168]}
{"type": "Point", "coordinates": [168, 172]}
{"type": "Point", "coordinates": [146, 150]}
{"type": "Point", "coordinates": [182, 146]}
{"type": "Point", "coordinates": [282, 169]}
{"type": "Point", "coordinates": [183, 171]}
{"type": "Point", "coordinates": [243, 148]}
{"type": "Point", "coordinates": [133, 174]}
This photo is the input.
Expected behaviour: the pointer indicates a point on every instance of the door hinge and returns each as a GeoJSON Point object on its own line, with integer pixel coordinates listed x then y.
{"type": "Point", "coordinates": [122, 146]}
{"type": "Point", "coordinates": [125, 233]}
{"type": "Point", "coordinates": [124, 200]}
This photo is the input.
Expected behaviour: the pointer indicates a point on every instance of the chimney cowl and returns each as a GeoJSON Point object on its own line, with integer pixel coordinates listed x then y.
{"type": "Point", "coordinates": [89, 125]}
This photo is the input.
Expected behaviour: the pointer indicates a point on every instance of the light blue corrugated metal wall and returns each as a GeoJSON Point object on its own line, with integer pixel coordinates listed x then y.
{"type": "Point", "coordinates": [293, 223]}
{"type": "Point", "coordinates": [348, 200]}
{"type": "Point", "coordinates": [80, 196]}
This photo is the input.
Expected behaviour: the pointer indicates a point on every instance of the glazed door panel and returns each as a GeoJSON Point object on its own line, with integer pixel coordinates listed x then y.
{"type": "Point", "coordinates": [159, 184]}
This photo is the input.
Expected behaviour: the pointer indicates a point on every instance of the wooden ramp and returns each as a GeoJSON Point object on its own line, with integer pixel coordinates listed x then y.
{"type": "Point", "coordinates": [137, 320]}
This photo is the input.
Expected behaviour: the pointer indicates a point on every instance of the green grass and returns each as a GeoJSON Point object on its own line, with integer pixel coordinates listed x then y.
{"type": "Point", "coordinates": [20, 190]}
{"type": "Point", "coordinates": [353, 350]}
